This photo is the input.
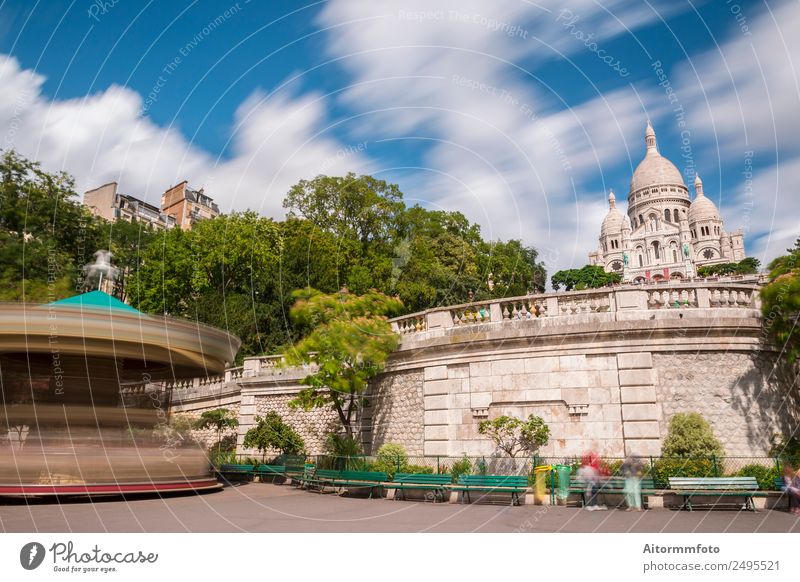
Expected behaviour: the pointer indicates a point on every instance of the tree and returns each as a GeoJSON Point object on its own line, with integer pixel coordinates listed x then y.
{"type": "Point", "coordinates": [781, 303]}
{"type": "Point", "coordinates": [218, 419]}
{"type": "Point", "coordinates": [271, 432]}
{"type": "Point", "coordinates": [587, 277]}
{"type": "Point", "coordinates": [747, 266]}
{"type": "Point", "coordinates": [349, 343]}
{"type": "Point", "coordinates": [513, 436]}
{"type": "Point", "coordinates": [690, 435]}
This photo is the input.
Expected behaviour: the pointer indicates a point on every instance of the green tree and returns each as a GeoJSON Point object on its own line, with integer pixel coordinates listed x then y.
{"type": "Point", "coordinates": [587, 277]}
{"type": "Point", "coordinates": [747, 266]}
{"type": "Point", "coordinates": [690, 435]}
{"type": "Point", "coordinates": [513, 436]}
{"type": "Point", "coordinates": [219, 419]}
{"type": "Point", "coordinates": [780, 303]}
{"type": "Point", "coordinates": [349, 343]}
{"type": "Point", "coordinates": [271, 432]}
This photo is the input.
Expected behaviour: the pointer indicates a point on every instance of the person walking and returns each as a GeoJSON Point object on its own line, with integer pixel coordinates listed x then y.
{"type": "Point", "coordinates": [632, 471]}
{"type": "Point", "coordinates": [791, 484]}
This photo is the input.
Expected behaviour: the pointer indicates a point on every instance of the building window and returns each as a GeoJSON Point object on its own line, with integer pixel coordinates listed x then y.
{"type": "Point", "coordinates": [655, 250]}
{"type": "Point", "coordinates": [667, 216]}
{"type": "Point", "coordinates": [708, 254]}
{"type": "Point", "coordinates": [641, 261]}
{"type": "Point", "coordinates": [674, 256]}
{"type": "Point", "coordinates": [616, 266]}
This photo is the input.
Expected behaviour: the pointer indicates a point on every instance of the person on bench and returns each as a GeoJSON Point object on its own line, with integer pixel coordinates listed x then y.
{"type": "Point", "coordinates": [632, 471]}
{"type": "Point", "coordinates": [791, 480]}
{"type": "Point", "coordinates": [590, 472]}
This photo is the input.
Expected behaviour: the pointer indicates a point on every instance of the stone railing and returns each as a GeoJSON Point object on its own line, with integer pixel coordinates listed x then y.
{"type": "Point", "coordinates": [562, 307]}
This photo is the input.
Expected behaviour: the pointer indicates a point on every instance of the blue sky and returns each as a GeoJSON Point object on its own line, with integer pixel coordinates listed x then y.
{"type": "Point", "coordinates": [522, 115]}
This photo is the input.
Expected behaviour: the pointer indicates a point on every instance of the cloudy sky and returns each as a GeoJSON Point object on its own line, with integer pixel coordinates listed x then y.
{"type": "Point", "coordinates": [521, 114]}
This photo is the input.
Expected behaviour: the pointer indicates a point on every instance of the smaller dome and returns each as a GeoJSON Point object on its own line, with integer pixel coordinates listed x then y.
{"type": "Point", "coordinates": [614, 221]}
{"type": "Point", "coordinates": [702, 208]}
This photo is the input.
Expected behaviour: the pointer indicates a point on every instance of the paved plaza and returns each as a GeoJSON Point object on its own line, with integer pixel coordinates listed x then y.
{"type": "Point", "coordinates": [258, 507]}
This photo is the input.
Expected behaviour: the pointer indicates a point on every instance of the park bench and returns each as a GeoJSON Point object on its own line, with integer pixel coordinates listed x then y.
{"type": "Point", "coordinates": [371, 480]}
{"type": "Point", "coordinates": [513, 484]}
{"type": "Point", "coordinates": [320, 478]}
{"type": "Point", "coordinates": [240, 472]}
{"type": "Point", "coordinates": [298, 473]}
{"type": "Point", "coordinates": [270, 471]}
{"type": "Point", "coordinates": [716, 488]}
{"type": "Point", "coordinates": [421, 482]}
{"type": "Point", "coordinates": [611, 485]}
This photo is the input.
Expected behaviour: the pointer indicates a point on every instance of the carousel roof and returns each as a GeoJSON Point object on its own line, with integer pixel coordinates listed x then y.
{"type": "Point", "coordinates": [95, 300]}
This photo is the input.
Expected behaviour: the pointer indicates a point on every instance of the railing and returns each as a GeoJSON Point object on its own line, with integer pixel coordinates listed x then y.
{"type": "Point", "coordinates": [713, 293]}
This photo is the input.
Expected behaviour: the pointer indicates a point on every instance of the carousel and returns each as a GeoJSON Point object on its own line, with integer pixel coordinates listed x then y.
{"type": "Point", "coordinates": [85, 403]}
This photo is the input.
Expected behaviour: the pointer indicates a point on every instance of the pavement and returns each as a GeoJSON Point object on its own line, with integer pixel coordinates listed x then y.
{"type": "Point", "coordinates": [265, 507]}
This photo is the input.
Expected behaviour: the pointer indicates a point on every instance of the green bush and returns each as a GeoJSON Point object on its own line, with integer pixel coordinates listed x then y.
{"type": "Point", "coordinates": [391, 459]}
{"type": "Point", "coordinates": [764, 475]}
{"type": "Point", "coordinates": [690, 435]}
{"type": "Point", "coordinates": [666, 468]}
{"type": "Point", "coordinates": [418, 469]}
{"type": "Point", "coordinates": [341, 445]}
{"type": "Point", "coordinates": [460, 467]}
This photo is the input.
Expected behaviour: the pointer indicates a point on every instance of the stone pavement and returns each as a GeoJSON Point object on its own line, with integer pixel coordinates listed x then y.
{"type": "Point", "coordinates": [259, 507]}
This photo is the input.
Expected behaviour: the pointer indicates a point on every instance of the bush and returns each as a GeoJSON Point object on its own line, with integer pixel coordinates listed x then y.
{"type": "Point", "coordinates": [666, 468]}
{"type": "Point", "coordinates": [341, 445]}
{"type": "Point", "coordinates": [391, 459]}
{"type": "Point", "coordinates": [690, 435]}
{"type": "Point", "coordinates": [460, 467]}
{"type": "Point", "coordinates": [764, 475]}
{"type": "Point", "coordinates": [418, 469]}
{"type": "Point", "coordinates": [271, 432]}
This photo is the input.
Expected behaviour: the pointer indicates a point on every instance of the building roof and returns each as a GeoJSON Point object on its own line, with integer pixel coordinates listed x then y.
{"type": "Point", "coordinates": [614, 221]}
{"type": "Point", "coordinates": [702, 208]}
{"type": "Point", "coordinates": [654, 169]}
{"type": "Point", "coordinates": [96, 300]}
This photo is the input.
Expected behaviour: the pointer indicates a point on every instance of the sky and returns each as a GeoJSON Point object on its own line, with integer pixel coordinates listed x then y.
{"type": "Point", "coordinates": [522, 115]}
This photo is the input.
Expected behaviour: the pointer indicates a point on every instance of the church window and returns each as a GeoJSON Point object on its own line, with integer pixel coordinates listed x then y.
{"type": "Point", "coordinates": [667, 215]}
{"type": "Point", "coordinates": [676, 216]}
{"type": "Point", "coordinates": [655, 250]}
{"type": "Point", "coordinates": [674, 255]}
{"type": "Point", "coordinates": [616, 266]}
{"type": "Point", "coordinates": [641, 220]}
{"type": "Point", "coordinates": [708, 254]}
{"type": "Point", "coordinates": [641, 261]}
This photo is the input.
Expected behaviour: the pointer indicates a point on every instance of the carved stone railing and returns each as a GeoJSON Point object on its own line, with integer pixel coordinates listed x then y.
{"type": "Point", "coordinates": [564, 307]}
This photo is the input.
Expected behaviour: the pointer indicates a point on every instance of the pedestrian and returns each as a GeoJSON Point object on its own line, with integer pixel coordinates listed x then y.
{"type": "Point", "coordinates": [632, 471]}
{"type": "Point", "coordinates": [591, 472]}
{"type": "Point", "coordinates": [791, 484]}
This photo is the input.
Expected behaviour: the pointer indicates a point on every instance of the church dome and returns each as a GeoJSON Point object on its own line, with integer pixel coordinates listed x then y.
{"type": "Point", "coordinates": [702, 208]}
{"type": "Point", "coordinates": [614, 221]}
{"type": "Point", "coordinates": [654, 169]}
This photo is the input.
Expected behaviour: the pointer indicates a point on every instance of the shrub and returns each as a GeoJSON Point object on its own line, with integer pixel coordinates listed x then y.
{"type": "Point", "coordinates": [461, 467]}
{"type": "Point", "coordinates": [690, 435]}
{"type": "Point", "coordinates": [342, 445]}
{"type": "Point", "coordinates": [513, 436]}
{"type": "Point", "coordinates": [418, 469]}
{"type": "Point", "coordinates": [271, 432]}
{"type": "Point", "coordinates": [391, 459]}
{"type": "Point", "coordinates": [666, 468]}
{"type": "Point", "coordinates": [764, 475]}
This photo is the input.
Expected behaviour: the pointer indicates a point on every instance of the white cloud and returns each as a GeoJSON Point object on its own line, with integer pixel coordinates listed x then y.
{"type": "Point", "coordinates": [277, 140]}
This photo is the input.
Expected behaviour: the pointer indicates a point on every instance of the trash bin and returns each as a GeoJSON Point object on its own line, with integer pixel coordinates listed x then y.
{"type": "Point", "coordinates": [563, 472]}
{"type": "Point", "coordinates": [540, 474]}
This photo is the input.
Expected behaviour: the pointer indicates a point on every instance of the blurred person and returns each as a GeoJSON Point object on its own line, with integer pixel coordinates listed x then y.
{"type": "Point", "coordinates": [791, 485]}
{"type": "Point", "coordinates": [632, 471]}
{"type": "Point", "coordinates": [591, 472]}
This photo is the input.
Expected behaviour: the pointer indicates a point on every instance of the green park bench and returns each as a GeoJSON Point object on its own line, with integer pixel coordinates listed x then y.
{"type": "Point", "coordinates": [718, 489]}
{"type": "Point", "coordinates": [421, 482]}
{"type": "Point", "coordinates": [513, 484]}
{"type": "Point", "coordinates": [236, 472]}
{"type": "Point", "coordinates": [361, 479]}
{"type": "Point", "coordinates": [270, 471]}
{"type": "Point", "coordinates": [319, 478]}
{"type": "Point", "coordinates": [298, 473]}
{"type": "Point", "coordinates": [611, 485]}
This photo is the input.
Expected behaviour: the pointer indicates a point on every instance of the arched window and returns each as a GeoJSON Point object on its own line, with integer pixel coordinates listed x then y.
{"type": "Point", "coordinates": [674, 255]}
{"type": "Point", "coordinates": [667, 215]}
{"type": "Point", "coordinates": [655, 250]}
{"type": "Point", "coordinates": [641, 260]}
{"type": "Point", "coordinates": [676, 216]}
{"type": "Point", "coordinates": [641, 220]}
{"type": "Point", "coordinates": [633, 221]}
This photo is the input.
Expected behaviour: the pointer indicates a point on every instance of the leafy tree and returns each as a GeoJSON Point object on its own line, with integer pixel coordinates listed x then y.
{"type": "Point", "coordinates": [587, 277]}
{"type": "Point", "coordinates": [513, 436]}
{"type": "Point", "coordinates": [690, 435]}
{"type": "Point", "coordinates": [780, 303]}
{"type": "Point", "coordinates": [359, 207]}
{"type": "Point", "coordinates": [219, 419]}
{"type": "Point", "coordinates": [349, 342]}
{"type": "Point", "coordinates": [271, 432]}
{"type": "Point", "coordinates": [747, 266]}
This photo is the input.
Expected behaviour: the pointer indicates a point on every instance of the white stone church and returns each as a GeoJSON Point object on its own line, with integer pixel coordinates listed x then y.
{"type": "Point", "coordinates": [666, 234]}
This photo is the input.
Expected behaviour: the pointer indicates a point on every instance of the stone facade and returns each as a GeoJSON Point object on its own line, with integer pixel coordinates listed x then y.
{"type": "Point", "coordinates": [744, 396]}
{"type": "Point", "coordinates": [394, 413]}
{"type": "Point", "coordinates": [207, 437]}
{"type": "Point", "coordinates": [604, 368]}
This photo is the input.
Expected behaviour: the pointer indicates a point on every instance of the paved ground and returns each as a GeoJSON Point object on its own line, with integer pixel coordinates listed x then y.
{"type": "Point", "coordinates": [259, 507]}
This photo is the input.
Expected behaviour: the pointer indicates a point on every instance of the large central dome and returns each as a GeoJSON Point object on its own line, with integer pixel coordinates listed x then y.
{"type": "Point", "coordinates": [654, 169]}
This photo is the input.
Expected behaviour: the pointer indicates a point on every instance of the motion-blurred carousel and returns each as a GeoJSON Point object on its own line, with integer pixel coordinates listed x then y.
{"type": "Point", "coordinates": [85, 402]}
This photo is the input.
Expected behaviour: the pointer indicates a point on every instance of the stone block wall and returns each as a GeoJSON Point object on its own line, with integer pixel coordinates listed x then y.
{"type": "Point", "coordinates": [746, 397]}
{"type": "Point", "coordinates": [394, 413]}
{"type": "Point", "coordinates": [207, 437]}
